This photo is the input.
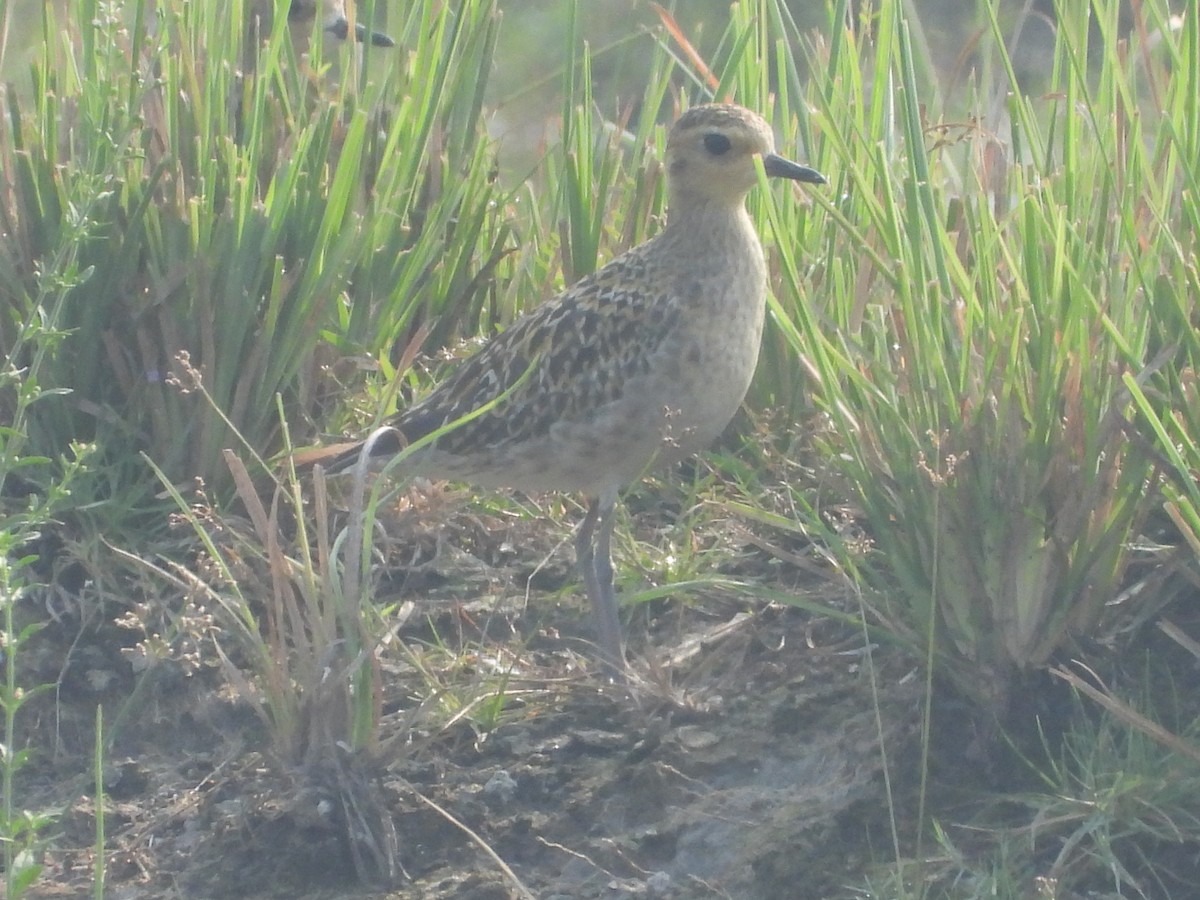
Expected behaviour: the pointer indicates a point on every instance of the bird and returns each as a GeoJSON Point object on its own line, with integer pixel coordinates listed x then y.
{"type": "Point", "coordinates": [638, 365]}
{"type": "Point", "coordinates": [302, 13]}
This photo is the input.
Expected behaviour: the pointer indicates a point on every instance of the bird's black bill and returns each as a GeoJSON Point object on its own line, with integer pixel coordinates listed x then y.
{"type": "Point", "coordinates": [778, 167]}
{"type": "Point", "coordinates": [341, 30]}
{"type": "Point", "coordinates": [377, 38]}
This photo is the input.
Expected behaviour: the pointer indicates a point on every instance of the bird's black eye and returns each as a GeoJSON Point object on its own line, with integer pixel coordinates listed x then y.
{"type": "Point", "coordinates": [716, 143]}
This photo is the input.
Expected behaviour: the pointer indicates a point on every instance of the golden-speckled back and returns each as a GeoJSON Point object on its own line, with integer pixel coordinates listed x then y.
{"type": "Point", "coordinates": [644, 361]}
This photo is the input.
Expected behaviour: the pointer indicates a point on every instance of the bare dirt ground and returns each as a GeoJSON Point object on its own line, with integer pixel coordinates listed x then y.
{"type": "Point", "coordinates": [744, 760]}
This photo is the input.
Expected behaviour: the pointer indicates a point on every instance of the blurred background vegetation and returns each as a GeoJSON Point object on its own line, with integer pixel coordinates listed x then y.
{"type": "Point", "coordinates": [524, 88]}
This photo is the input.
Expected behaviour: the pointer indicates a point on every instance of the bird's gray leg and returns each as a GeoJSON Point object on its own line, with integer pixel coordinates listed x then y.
{"type": "Point", "coordinates": [593, 554]}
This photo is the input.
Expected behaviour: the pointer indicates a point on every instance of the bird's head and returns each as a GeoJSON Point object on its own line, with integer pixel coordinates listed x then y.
{"type": "Point", "coordinates": [711, 151]}
{"type": "Point", "coordinates": [333, 20]}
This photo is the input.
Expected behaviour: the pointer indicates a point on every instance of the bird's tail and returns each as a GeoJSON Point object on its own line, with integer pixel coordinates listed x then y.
{"type": "Point", "coordinates": [336, 459]}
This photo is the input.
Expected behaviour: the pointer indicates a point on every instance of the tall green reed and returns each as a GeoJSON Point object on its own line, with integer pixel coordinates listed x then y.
{"type": "Point", "coordinates": [249, 211]}
{"type": "Point", "coordinates": [982, 299]}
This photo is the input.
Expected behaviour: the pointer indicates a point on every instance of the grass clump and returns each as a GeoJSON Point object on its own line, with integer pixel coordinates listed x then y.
{"type": "Point", "coordinates": [281, 612]}
{"type": "Point", "coordinates": [236, 209]}
{"type": "Point", "coordinates": [980, 308]}
{"type": "Point", "coordinates": [998, 340]}
{"type": "Point", "coordinates": [204, 227]}
{"type": "Point", "coordinates": [1112, 812]}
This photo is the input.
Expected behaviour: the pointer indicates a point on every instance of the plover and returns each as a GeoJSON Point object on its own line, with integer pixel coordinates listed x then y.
{"type": "Point", "coordinates": [639, 364]}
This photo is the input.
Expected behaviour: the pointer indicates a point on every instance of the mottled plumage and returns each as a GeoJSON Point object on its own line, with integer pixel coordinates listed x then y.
{"type": "Point", "coordinates": [642, 363]}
